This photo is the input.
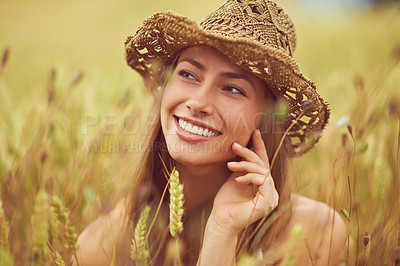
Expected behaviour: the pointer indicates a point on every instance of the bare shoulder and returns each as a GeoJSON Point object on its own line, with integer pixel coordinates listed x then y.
{"type": "Point", "coordinates": [324, 231]}
{"type": "Point", "coordinates": [97, 242]}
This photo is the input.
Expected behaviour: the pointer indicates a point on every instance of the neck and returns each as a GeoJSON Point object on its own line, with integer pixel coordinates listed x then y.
{"type": "Point", "coordinates": [201, 183]}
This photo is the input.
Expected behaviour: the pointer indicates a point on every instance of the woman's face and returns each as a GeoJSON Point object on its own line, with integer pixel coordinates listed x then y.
{"type": "Point", "coordinates": [209, 103]}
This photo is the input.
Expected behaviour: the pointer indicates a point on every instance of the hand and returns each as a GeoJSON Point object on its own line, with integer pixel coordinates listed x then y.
{"type": "Point", "coordinates": [249, 193]}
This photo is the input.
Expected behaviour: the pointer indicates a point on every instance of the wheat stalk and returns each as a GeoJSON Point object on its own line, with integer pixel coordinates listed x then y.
{"type": "Point", "coordinates": [175, 208]}
{"type": "Point", "coordinates": [59, 260]}
{"type": "Point", "coordinates": [40, 227]}
{"type": "Point", "coordinates": [5, 256]}
{"type": "Point", "coordinates": [139, 249]}
{"type": "Point", "coordinates": [69, 234]}
{"type": "Point", "coordinates": [175, 204]}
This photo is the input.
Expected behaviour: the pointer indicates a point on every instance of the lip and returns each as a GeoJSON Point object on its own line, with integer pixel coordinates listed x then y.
{"type": "Point", "coordinates": [186, 136]}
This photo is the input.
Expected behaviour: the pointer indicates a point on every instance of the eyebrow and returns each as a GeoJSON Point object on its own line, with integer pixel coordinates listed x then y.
{"type": "Point", "coordinates": [232, 75]}
{"type": "Point", "coordinates": [193, 62]}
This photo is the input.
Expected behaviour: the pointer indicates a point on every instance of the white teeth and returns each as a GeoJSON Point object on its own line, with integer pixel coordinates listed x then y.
{"type": "Point", "coordinates": [184, 123]}
{"type": "Point", "coordinates": [195, 129]}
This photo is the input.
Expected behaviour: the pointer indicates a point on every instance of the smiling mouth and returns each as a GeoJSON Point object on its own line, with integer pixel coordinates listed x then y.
{"type": "Point", "coordinates": [196, 129]}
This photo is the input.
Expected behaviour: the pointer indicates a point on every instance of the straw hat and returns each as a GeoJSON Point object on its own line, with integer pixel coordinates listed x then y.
{"type": "Point", "coordinates": [258, 36]}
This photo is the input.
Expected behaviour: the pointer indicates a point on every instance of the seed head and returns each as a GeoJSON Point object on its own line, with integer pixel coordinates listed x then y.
{"type": "Point", "coordinates": [76, 78]}
{"type": "Point", "coordinates": [4, 58]}
{"type": "Point", "coordinates": [69, 234]}
{"type": "Point", "coordinates": [139, 251]}
{"type": "Point", "coordinates": [344, 140]}
{"type": "Point", "coordinates": [175, 204]}
{"type": "Point", "coordinates": [367, 237]}
{"type": "Point", "coordinates": [59, 260]}
{"type": "Point", "coordinates": [350, 129]}
{"type": "Point", "coordinates": [40, 226]}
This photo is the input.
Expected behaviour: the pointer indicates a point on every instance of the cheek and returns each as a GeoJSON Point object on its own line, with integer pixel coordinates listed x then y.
{"type": "Point", "coordinates": [238, 127]}
{"type": "Point", "coordinates": [244, 120]}
{"type": "Point", "coordinates": [173, 95]}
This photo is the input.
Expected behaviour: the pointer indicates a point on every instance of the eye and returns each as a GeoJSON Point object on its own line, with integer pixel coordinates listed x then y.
{"type": "Point", "coordinates": [186, 75]}
{"type": "Point", "coordinates": [234, 90]}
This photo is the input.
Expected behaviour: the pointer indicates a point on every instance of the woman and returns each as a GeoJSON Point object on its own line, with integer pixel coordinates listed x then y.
{"type": "Point", "coordinates": [217, 87]}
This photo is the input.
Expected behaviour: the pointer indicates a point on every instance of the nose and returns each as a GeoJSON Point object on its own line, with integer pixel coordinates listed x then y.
{"type": "Point", "coordinates": [200, 102]}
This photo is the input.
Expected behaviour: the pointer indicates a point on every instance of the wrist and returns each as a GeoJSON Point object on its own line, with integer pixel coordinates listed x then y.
{"type": "Point", "coordinates": [219, 245]}
{"type": "Point", "coordinates": [221, 228]}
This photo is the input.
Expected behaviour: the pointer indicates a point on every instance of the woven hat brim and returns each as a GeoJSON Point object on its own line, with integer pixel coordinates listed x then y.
{"type": "Point", "coordinates": [151, 50]}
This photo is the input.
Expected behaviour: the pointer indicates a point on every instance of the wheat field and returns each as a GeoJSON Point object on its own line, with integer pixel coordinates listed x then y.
{"type": "Point", "coordinates": [67, 97]}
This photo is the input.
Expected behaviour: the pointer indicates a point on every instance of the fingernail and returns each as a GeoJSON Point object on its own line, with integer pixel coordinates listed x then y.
{"type": "Point", "coordinates": [238, 145]}
{"type": "Point", "coordinates": [239, 178]}
{"type": "Point", "coordinates": [232, 163]}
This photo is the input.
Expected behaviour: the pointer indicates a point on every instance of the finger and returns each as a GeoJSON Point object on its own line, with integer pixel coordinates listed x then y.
{"type": "Point", "coordinates": [252, 178]}
{"type": "Point", "coordinates": [249, 167]}
{"type": "Point", "coordinates": [267, 204]}
{"type": "Point", "coordinates": [259, 146]}
{"type": "Point", "coordinates": [246, 153]}
{"type": "Point", "coordinates": [267, 194]}
{"type": "Point", "coordinates": [267, 189]}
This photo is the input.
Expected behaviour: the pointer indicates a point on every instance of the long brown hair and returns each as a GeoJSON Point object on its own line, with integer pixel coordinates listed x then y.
{"type": "Point", "coordinates": [148, 169]}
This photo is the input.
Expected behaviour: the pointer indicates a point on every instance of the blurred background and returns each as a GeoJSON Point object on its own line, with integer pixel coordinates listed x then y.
{"type": "Point", "coordinates": [63, 75]}
{"type": "Point", "coordinates": [336, 39]}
